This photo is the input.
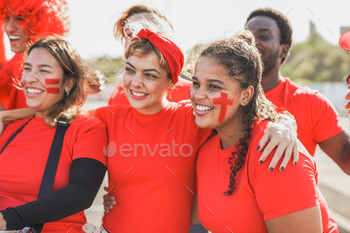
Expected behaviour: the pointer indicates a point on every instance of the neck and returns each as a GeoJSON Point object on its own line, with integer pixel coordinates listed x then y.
{"type": "Point", "coordinates": [271, 79]}
{"type": "Point", "coordinates": [231, 132]}
{"type": "Point", "coordinates": [41, 113]}
{"type": "Point", "coordinates": [155, 109]}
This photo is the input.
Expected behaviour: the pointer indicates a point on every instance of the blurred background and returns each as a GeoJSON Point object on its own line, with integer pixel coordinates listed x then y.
{"type": "Point", "coordinates": [316, 59]}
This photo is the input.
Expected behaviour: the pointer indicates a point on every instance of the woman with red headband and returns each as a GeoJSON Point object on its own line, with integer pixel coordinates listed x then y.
{"type": "Point", "coordinates": [139, 13]}
{"type": "Point", "coordinates": [153, 143]}
{"type": "Point", "coordinates": [24, 23]}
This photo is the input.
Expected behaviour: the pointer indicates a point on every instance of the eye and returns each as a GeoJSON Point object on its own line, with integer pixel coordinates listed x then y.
{"type": "Point", "coordinates": [128, 70]}
{"type": "Point", "coordinates": [213, 87]}
{"type": "Point", "coordinates": [264, 37]}
{"type": "Point", "coordinates": [44, 71]}
{"type": "Point", "coordinates": [148, 75]}
{"type": "Point", "coordinates": [195, 83]}
{"type": "Point", "coordinates": [27, 69]}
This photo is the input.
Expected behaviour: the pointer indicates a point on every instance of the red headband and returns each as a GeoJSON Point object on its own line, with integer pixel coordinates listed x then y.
{"type": "Point", "coordinates": [170, 51]}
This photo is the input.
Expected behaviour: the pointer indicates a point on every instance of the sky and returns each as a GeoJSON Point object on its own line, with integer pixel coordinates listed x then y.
{"type": "Point", "coordinates": [196, 21]}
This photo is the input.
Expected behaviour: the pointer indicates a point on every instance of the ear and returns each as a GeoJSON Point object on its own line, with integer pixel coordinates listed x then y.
{"type": "Point", "coordinates": [247, 95]}
{"type": "Point", "coordinates": [284, 50]}
{"type": "Point", "coordinates": [69, 84]}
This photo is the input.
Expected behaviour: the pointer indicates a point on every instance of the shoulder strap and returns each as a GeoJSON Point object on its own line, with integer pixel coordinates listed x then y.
{"type": "Point", "coordinates": [51, 166]}
{"type": "Point", "coordinates": [15, 134]}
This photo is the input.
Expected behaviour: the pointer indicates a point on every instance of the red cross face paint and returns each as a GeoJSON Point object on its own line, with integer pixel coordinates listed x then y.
{"type": "Point", "coordinates": [224, 102]}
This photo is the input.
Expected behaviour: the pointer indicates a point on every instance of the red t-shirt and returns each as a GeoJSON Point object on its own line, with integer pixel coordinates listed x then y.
{"type": "Point", "coordinates": [180, 92]}
{"type": "Point", "coordinates": [259, 194]}
{"type": "Point", "coordinates": [151, 167]}
{"type": "Point", "coordinates": [10, 96]}
{"type": "Point", "coordinates": [23, 162]}
{"type": "Point", "coordinates": [316, 118]}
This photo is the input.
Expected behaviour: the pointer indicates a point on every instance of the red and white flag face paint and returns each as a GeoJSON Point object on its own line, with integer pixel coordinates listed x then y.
{"type": "Point", "coordinates": [224, 102]}
{"type": "Point", "coordinates": [53, 82]}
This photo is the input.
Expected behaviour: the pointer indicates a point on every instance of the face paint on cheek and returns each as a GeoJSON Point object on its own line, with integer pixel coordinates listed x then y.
{"type": "Point", "coordinates": [49, 81]}
{"type": "Point", "coordinates": [224, 102]}
{"type": "Point", "coordinates": [53, 90]}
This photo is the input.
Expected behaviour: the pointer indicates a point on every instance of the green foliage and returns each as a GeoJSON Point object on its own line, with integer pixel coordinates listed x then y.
{"type": "Point", "coordinates": [316, 60]}
{"type": "Point", "coordinates": [111, 68]}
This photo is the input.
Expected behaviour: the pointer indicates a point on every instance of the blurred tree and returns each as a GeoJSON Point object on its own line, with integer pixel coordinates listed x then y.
{"type": "Point", "coordinates": [316, 60]}
{"type": "Point", "coordinates": [110, 67]}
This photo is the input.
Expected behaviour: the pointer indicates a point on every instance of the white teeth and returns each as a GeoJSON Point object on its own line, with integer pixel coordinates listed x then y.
{"type": "Point", "coordinates": [14, 37]}
{"type": "Point", "coordinates": [203, 108]}
{"type": "Point", "coordinates": [34, 91]}
{"type": "Point", "coordinates": [138, 94]}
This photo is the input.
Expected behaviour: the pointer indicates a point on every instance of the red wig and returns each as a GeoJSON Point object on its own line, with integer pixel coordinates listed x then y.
{"type": "Point", "coordinates": [41, 17]}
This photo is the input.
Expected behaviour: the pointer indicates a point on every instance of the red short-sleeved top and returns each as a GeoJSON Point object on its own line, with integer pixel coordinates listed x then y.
{"type": "Point", "coordinates": [316, 117]}
{"type": "Point", "coordinates": [23, 162]}
{"type": "Point", "coordinates": [180, 92]}
{"type": "Point", "coordinates": [259, 194]}
{"type": "Point", "coordinates": [151, 167]}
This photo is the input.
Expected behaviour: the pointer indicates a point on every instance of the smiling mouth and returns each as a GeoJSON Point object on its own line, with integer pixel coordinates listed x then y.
{"type": "Point", "coordinates": [34, 91]}
{"type": "Point", "coordinates": [14, 38]}
{"type": "Point", "coordinates": [138, 94]}
{"type": "Point", "coordinates": [203, 108]}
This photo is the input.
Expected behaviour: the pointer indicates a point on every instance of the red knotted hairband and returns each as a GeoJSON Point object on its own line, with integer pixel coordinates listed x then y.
{"type": "Point", "coordinates": [169, 49]}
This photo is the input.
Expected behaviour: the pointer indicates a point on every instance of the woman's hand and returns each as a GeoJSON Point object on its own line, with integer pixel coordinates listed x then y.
{"type": "Point", "coordinates": [283, 134]}
{"type": "Point", "coordinates": [108, 201]}
{"type": "Point", "coordinates": [2, 222]}
{"type": "Point", "coordinates": [347, 97]}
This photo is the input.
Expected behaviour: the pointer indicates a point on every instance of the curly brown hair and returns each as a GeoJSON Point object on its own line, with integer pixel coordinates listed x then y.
{"type": "Point", "coordinates": [286, 30]}
{"type": "Point", "coordinates": [74, 68]}
{"type": "Point", "coordinates": [240, 52]}
{"type": "Point", "coordinates": [137, 9]}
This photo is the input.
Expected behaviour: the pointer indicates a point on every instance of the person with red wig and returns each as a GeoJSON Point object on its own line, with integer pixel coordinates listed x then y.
{"type": "Point", "coordinates": [24, 23]}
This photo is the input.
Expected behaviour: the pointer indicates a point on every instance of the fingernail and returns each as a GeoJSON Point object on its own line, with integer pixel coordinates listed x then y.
{"type": "Point", "coordinates": [260, 161]}
{"type": "Point", "coordinates": [258, 147]}
{"type": "Point", "coordinates": [295, 163]}
{"type": "Point", "coordinates": [282, 169]}
{"type": "Point", "coordinates": [271, 169]}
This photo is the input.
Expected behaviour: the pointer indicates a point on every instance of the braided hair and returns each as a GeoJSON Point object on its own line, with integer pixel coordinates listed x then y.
{"type": "Point", "coordinates": [240, 52]}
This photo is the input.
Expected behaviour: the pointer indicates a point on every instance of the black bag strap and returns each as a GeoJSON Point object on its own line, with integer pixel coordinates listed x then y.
{"type": "Point", "coordinates": [51, 166]}
{"type": "Point", "coordinates": [15, 134]}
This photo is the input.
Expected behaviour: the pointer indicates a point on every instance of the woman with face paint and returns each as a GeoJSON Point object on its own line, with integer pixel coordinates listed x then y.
{"type": "Point", "coordinates": [53, 82]}
{"type": "Point", "coordinates": [235, 193]}
{"type": "Point", "coordinates": [141, 13]}
{"type": "Point", "coordinates": [153, 143]}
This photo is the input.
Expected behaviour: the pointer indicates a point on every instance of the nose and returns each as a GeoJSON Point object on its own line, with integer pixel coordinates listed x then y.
{"type": "Point", "coordinates": [29, 77]}
{"type": "Point", "coordinates": [10, 24]}
{"type": "Point", "coordinates": [198, 93]}
{"type": "Point", "coordinates": [137, 80]}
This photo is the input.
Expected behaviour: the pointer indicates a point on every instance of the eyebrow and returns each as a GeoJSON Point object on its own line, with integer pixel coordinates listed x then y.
{"type": "Point", "coordinates": [42, 65]}
{"type": "Point", "coordinates": [211, 81]}
{"type": "Point", "coordinates": [146, 70]}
